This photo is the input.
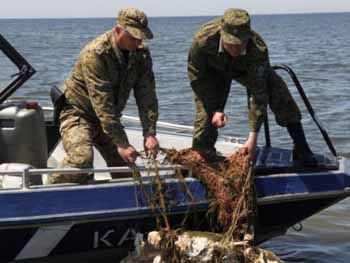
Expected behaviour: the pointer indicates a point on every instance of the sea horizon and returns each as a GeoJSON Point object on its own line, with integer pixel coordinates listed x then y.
{"type": "Point", "coordinates": [178, 16]}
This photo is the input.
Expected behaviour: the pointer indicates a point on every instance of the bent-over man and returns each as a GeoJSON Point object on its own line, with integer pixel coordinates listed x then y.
{"type": "Point", "coordinates": [227, 49]}
{"type": "Point", "coordinates": [96, 92]}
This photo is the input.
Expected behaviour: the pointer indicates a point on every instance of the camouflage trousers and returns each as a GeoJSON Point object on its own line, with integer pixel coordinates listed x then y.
{"type": "Point", "coordinates": [280, 101]}
{"type": "Point", "coordinates": [78, 138]}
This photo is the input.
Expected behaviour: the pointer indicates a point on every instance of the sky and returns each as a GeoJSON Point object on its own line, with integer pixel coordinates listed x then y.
{"type": "Point", "coordinates": [108, 8]}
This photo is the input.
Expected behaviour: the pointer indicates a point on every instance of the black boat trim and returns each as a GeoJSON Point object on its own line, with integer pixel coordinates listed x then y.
{"type": "Point", "coordinates": [24, 73]}
{"type": "Point", "coordinates": [308, 106]}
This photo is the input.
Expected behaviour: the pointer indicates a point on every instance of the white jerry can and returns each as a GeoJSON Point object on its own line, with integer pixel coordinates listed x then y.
{"type": "Point", "coordinates": [9, 181]}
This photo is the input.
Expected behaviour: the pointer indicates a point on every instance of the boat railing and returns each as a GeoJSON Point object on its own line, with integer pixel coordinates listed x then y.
{"type": "Point", "coordinates": [165, 127]}
{"type": "Point", "coordinates": [309, 107]}
{"type": "Point", "coordinates": [162, 124]}
{"type": "Point", "coordinates": [178, 128]}
{"type": "Point", "coordinates": [26, 174]}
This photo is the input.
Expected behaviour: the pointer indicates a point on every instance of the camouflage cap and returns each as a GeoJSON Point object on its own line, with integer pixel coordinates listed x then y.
{"type": "Point", "coordinates": [135, 22]}
{"type": "Point", "coordinates": [235, 26]}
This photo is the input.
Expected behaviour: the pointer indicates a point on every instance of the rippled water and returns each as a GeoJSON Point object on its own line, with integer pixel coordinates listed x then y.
{"type": "Point", "coordinates": [316, 46]}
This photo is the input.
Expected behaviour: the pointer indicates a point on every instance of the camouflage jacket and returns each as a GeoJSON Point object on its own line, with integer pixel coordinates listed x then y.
{"type": "Point", "coordinates": [211, 71]}
{"type": "Point", "coordinates": [99, 85]}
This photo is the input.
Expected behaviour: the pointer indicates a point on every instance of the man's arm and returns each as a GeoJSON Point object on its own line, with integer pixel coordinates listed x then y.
{"type": "Point", "coordinates": [256, 80]}
{"type": "Point", "coordinates": [146, 100]}
{"type": "Point", "coordinates": [251, 144]}
{"type": "Point", "coordinates": [210, 86]}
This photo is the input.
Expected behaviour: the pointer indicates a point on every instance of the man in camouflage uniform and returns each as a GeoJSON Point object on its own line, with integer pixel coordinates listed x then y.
{"type": "Point", "coordinates": [96, 92]}
{"type": "Point", "coordinates": [227, 49]}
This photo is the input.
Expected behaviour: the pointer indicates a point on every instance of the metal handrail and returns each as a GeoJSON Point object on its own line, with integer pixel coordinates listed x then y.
{"type": "Point", "coordinates": [180, 127]}
{"type": "Point", "coordinates": [161, 124]}
{"type": "Point", "coordinates": [119, 169]}
{"type": "Point", "coordinates": [308, 106]}
{"type": "Point", "coordinates": [26, 173]}
{"type": "Point", "coordinates": [177, 127]}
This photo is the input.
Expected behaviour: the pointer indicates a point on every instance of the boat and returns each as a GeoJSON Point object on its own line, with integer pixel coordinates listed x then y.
{"type": "Point", "coordinates": [39, 220]}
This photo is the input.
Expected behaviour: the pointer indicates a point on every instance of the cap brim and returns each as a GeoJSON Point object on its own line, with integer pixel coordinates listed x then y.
{"type": "Point", "coordinates": [138, 33]}
{"type": "Point", "coordinates": [235, 39]}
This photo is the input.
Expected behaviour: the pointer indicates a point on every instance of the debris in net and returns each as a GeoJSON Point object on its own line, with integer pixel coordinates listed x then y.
{"type": "Point", "coordinates": [195, 246]}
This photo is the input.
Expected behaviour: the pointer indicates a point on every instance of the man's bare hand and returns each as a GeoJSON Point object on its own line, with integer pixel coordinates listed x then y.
{"type": "Point", "coordinates": [250, 145]}
{"type": "Point", "coordinates": [129, 154]}
{"type": "Point", "coordinates": [151, 145]}
{"type": "Point", "coordinates": [219, 119]}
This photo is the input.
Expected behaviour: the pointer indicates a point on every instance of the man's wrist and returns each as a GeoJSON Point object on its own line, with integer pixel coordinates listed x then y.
{"type": "Point", "coordinates": [149, 134]}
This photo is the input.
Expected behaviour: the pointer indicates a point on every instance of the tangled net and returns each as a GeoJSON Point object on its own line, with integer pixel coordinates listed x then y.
{"type": "Point", "coordinates": [229, 184]}
{"type": "Point", "coordinates": [230, 190]}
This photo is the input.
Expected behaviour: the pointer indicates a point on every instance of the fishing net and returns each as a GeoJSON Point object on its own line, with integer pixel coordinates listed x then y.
{"type": "Point", "coordinates": [230, 217]}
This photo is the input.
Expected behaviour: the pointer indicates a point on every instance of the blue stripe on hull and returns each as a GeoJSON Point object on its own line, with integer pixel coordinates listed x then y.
{"type": "Point", "coordinates": [87, 202]}
{"type": "Point", "coordinates": [303, 183]}
{"type": "Point", "coordinates": [127, 200]}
